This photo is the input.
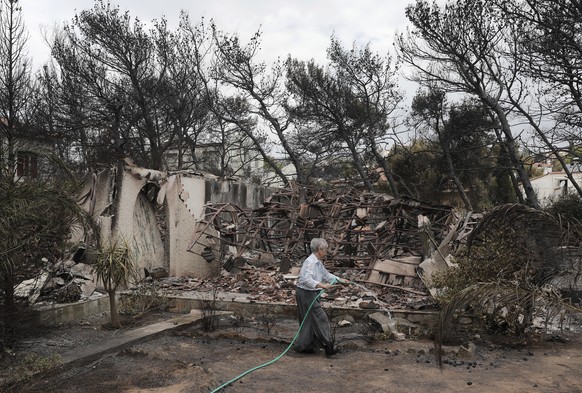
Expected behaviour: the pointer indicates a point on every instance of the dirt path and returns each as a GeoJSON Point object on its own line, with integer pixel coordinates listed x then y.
{"type": "Point", "coordinates": [192, 361]}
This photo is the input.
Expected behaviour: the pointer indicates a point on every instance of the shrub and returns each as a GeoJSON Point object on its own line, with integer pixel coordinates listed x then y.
{"type": "Point", "coordinates": [503, 253]}
{"type": "Point", "coordinates": [22, 371]}
{"type": "Point", "coordinates": [143, 298]}
{"type": "Point", "coordinates": [569, 205]}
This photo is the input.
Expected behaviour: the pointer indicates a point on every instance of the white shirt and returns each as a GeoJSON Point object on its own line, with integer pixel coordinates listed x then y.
{"type": "Point", "coordinates": [312, 273]}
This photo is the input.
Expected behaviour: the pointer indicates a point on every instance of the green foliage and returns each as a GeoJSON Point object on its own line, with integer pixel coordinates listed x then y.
{"type": "Point", "coordinates": [501, 255]}
{"type": "Point", "coordinates": [145, 297]}
{"type": "Point", "coordinates": [35, 222]}
{"type": "Point", "coordinates": [23, 370]}
{"type": "Point", "coordinates": [114, 264]}
{"type": "Point", "coordinates": [415, 165]}
{"type": "Point", "coordinates": [455, 134]}
{"type": "Point", "coordinates": [345, 108]}
{"type": "Point", "coordinates": [517, 261]}
{"type": "Point", "coordinates": [569, 205]}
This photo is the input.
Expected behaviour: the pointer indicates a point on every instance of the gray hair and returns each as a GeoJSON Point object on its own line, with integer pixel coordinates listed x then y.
{"type": "Point", "coordinates": [317, 244]}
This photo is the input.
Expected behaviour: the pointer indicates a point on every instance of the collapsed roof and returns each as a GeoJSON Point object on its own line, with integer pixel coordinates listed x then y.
{"type": "Point", "coordinates": [381, 237]}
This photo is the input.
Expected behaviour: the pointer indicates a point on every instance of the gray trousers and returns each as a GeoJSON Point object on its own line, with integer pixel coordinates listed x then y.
{"type": "Point", "coordinates": [316, 330]}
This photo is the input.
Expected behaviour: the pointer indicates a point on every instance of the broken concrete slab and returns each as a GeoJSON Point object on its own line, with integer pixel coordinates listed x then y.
{"type": "Point", "coordinates": [31, 288]}
{"type": "Point", "coordinates": [87, 286]}
{"type": "Point", "coordinates": [83, 270]}
{"type": "Point", "coordinates": [401, 271]}
{"type": "Point", "coordinates": [381, 320]}
{"type": "Point", "coordinates": [398, 328]}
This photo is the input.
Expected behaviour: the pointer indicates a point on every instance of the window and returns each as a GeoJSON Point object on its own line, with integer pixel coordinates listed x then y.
{"type": "Point", "coordinates": [27, 164]}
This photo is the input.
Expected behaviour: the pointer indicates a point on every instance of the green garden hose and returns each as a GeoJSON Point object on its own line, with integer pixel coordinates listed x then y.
{"type": "Point", "coordinates": [278, 357]}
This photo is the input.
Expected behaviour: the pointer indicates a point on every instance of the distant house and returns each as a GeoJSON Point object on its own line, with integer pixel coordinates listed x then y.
{"type": "Point", "coordinates": [26, 164]}
{"type": "Point", "coordinates": [552, 185]}
{"type": "Point", "coordinates": [28, 151]}
{"type": "Point", "coordinates": [238, 162]}
{"type": "Point", "coordinates": [544, 167]}
{"type": "Point", "coordinates": [271, 179]}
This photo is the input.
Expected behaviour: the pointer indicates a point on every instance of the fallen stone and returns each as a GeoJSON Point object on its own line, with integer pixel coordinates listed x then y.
{"type": "Point", "coordinates": [384, 322]}
{"type": "Point", "coordinates": [368, 305]}
{"type": "Point", "coordinates": [83, 270]}
{"type": "Point", "coordinates": [344, 317]}
{"type": "Point", "coordinates": [156, 273]}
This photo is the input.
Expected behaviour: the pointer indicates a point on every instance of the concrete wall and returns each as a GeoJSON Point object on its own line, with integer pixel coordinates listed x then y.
{"type": "Point", "coordinates": [147, 244]}
{"type": "Point", "coordinates": [69, 312]}
{"type": "Point", "coordinates": [183, 197]}
{"type": "Point", "coordinates": [186, 198]}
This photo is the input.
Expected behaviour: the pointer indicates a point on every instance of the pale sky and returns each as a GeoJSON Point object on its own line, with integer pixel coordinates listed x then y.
{"type": "Point", "coordinates": [301, 28]}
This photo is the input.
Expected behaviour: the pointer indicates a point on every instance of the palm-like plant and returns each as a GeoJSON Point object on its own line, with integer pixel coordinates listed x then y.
{"type": "Point", "coordinates": [509, 302]}
{"type": "Point", "coordinates": [35, 221]}
{"type": "Point", "coordinates": [114, 265]}
{"type": "Point", "coordinates": [545, 260]}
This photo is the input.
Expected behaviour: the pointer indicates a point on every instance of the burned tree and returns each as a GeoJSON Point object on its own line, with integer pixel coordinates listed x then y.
{"type": "Point", "coordinates": [460, 48]}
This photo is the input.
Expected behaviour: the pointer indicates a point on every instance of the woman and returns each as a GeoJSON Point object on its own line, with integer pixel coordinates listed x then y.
{"type": "Point", "coordinates": [314, 277]}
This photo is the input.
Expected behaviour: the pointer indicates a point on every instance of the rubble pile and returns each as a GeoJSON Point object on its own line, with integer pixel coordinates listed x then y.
{"type": "Point", "coordinates": [378, 238]}
{"type": "Point", "coordinates": [66, 281]}
{"type": "Point", "coordinates": [271, 286]}
{"type": "Point", "coordinates": [380, 243]}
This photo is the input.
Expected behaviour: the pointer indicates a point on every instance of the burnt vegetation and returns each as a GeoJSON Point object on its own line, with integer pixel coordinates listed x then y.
{"type": "Point", "coordinates": [382, 185]}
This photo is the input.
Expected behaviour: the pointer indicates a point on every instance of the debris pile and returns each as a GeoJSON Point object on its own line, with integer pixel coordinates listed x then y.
{"type": "Point", "coordinates": [66, 281]}
{"type": "Point", "coordinates": [387, 244]}
{"type": "Point", "coordinates": [270, 286]}
{"type": "Point", "coordinates": [373, 238]}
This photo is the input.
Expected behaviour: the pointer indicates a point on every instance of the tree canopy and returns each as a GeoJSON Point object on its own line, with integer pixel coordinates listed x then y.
{"type": "Point", "coordinates": [498, 89]}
